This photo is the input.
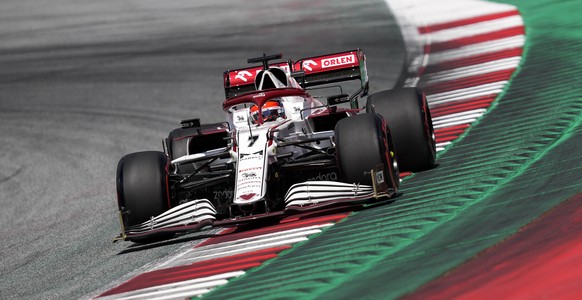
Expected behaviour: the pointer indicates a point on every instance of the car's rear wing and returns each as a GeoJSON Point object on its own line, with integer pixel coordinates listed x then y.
{"type": "Point", "coordinates": [240, 81]}
{"type": "Point", "coordinates": [310, 71]}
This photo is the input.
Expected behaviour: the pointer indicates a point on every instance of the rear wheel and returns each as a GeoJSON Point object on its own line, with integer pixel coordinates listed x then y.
{"type": "Point", "coordinates": [363, 142]}
{"type": "Point", "coordinates": [142, 188]}
{"type": "Point", "coordinates": [408, 116]}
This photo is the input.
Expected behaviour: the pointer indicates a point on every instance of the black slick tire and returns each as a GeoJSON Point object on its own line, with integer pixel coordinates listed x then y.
{"type": "Point", "coordinates": [142, 187]}
{"type": "Point", "coordinates": [363, 142]}
{"type": "Point", "coordinates": [407, 114]}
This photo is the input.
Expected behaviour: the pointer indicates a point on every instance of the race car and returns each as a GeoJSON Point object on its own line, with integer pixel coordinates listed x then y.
{"type": "Point", "coordinates": [280, 151]}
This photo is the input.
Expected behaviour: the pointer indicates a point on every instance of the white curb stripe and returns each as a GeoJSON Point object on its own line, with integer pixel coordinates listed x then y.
{"type": "Point", "coordinates": [182, 296]}
{"type": "Point", "coordinates": [171, 286]}
{"type": "Point", "coordinates": [194, 290]}
{"type": "Point", "coordinates": [442, 146]}
{"type": "Point", "coordinates": [247, 249]}
{"type": "Point", "coordinates": [492, 89]}
{"type": "Point", "coordinates": [437, 12]}
{"type": "Point", "coordinates": [474, 29]}
{"type": "Point", "coordinates": [458, 116]}
{"type": "Point", "coordinates": [508, 43]}
{"type": "Point", "coordinates": [195, 252]}
{"type": "Point", "coordinates": [241, 244]}
{"type": "Point", "coordinates": [478, 69]}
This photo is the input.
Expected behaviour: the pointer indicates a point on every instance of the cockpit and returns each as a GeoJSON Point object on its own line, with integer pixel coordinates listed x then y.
{"type": "Point", "coordinates": [272, 110]}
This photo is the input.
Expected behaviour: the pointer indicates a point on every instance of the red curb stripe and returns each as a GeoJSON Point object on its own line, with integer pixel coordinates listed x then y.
{"type": "Point", "coordinates": [217, 264]}
{"type": "Point", "coordinates": [340, 210]}
{"type": "Point", "coordinates": [448, 138]}
{"type": "Point", "coordinates": [467, 82]}
{"type": "Point", "coordinates": [540, 261]}
{"type": "Point", "coordinates": [455, 132]}
{"type": "Point", "coordinates": [474, 60]}
{"type": "Point", "coordinates": [405, 174]}
{"type": "Point", "coordinates": [467, 21]}
{"type": "Point", "coordinates": [485, 37]}
{"type": "Point", "coordinates": [197, 270]}
{"type": "Point", "coordinates": [443, 130]}
{"type": "Point", "coordinates": [461, 106]}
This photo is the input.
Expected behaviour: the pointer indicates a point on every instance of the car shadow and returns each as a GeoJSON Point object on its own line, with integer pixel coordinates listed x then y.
{"type": "Point", "coordinates": [179, 239]}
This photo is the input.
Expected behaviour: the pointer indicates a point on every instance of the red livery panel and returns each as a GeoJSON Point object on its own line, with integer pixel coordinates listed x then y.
{"type": "Point", "coordinates": [328, 63]}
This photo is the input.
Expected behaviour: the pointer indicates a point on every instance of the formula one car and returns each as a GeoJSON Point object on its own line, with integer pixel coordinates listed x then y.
{"type": "Point", "coordinates": [280, 151]}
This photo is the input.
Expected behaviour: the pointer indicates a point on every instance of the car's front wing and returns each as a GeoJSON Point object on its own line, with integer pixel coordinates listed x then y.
{"type": "Point", "coordinates": [309, 195]}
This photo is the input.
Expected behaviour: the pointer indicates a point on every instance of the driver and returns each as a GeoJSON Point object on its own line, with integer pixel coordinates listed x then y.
{"type": "Point", "coordinates": [271, 111]}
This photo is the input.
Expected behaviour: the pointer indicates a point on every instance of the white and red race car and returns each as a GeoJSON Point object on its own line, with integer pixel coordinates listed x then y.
{"type": "Point", "coordinates": [281, 150]}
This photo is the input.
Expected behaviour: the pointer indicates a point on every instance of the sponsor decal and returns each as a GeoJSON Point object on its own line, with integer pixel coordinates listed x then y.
{"type": "Point", "coordinates": [380, 177]}
{"type": "Point", "coordinates": [242, 75]}
{"type": "Point", "coordinates": [308, 63]}
{"type": "Point", "coordinates": [250, 169]}
{"type": "Point", "coordinates": [249, 175]}
{"type": "Point", "coordinates": [239, 117]}
{"type": "Point", "coordinates": [338, 61]}
{"type": "Point", "coordinates": [224, 194]}
{"type": "Point", "coordinates": [256, 156]}
{"type": "Point", "coordinates": [249, 183]}
{"type": "Point", "coordinates": [248, 187]}
{"type": "Point", "coordinates": [332, 176]}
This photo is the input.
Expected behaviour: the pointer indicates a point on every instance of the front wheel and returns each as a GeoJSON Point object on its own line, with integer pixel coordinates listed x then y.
{"type": "Point", "coordinates": [362, 143]}
{"type": "Point", "coordinates": [142, 187]}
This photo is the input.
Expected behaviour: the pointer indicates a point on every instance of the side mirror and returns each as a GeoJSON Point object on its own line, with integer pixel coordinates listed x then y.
{"type": "Point", "coordinates": [337, 99]}
{"type": "Point", "coordinates": [190, 123]}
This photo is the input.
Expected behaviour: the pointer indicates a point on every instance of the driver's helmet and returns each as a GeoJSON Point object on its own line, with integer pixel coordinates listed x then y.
{"type": "Point", "coordinates": [271, 111]}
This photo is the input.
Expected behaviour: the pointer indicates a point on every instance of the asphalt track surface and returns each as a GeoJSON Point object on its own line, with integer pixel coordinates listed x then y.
{"type": "Point", "coordinates": [83, 83]}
